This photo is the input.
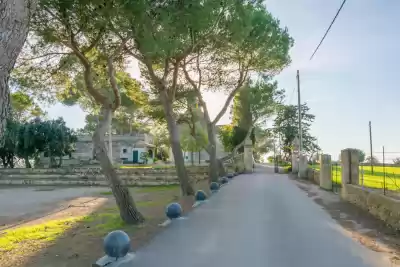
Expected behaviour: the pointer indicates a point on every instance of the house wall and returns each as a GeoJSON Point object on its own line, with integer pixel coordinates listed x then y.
{"type": "Point", "coordinates": [84, 148]}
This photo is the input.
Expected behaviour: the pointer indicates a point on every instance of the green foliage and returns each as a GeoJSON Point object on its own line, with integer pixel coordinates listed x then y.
{"type": "Point", "coordinates": [372, 160]}
{"type": "Point", "coordinates": [193, 142]}
{"type": "Point", "coordinates": [286, 128]}
{"type": "Point", "coordinates": [252, 106]}
{"type": "Point", "coordinates": [361, 155]}
{"type": "Point", "coordinates": [27, 140]}
{"type": "Point", "coordinates": [225, 134]}
{"type": "Point", "coordinates": [24, 107]}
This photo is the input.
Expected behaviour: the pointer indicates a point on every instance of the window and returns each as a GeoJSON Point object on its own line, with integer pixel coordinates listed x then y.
{"type": "Point", "coordinates": [124, 150]}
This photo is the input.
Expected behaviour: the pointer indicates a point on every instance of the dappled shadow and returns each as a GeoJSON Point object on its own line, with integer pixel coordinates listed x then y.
{"type": "Point", "coordinates": [81, 244]}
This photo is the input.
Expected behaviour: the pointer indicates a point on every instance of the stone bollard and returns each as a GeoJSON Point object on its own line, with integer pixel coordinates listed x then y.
{"type": "Point", "coordinates": [117, 246]}
{"type": "Point", "coordinates": [303, 166]}
{"type": "Point", "coordinates": [325, 172]}
{"type": "Point", "coordinates": [350, 166]}
{"type": "Point", "coordinates": [173, 211]}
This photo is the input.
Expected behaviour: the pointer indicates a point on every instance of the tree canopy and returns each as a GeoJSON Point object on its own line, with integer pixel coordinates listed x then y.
{"type": "Point", "coordinates": [252, 106]}
{"type": "Point", "coordinates": [286, 129]}
{"type": "Point", "coordinates": [27, 140]}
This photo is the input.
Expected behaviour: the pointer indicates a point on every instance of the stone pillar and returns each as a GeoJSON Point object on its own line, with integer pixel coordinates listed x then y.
{"type": "Point", "coordinates": [295, 162]}
{"type": "Point", "coordinates": [350, 166]}
{"type": "Point", "coordinates": [303, 166]}
{"type": "Point", "coordinates": [248, 155]}
{"type": "Point", "coordinates": [325, 172]}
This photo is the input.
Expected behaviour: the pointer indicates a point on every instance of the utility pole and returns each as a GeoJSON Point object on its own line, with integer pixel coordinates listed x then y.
{"type": "Point", "coordinates": [370, 147]}
{"type": "Point", "coordinates": [299, 108]}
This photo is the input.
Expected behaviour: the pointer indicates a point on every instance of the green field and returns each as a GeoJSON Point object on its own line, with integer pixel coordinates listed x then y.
{"type": "Point", "coordinates": [388, 177]}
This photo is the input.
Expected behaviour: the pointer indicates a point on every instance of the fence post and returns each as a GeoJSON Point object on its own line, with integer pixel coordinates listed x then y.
{"type": "Point", "coordinates": [325, 172]}
{"type": "Point", "coordinates": [384, 170]}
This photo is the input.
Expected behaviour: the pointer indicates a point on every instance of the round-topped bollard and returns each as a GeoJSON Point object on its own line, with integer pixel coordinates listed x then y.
{"type": "Point", "coordinates": [230, 175]}
{"type": "Point", "coordinates": [214, 187]}
{"type": "Point", "coordinates": [200, 195]}
{"type": "Point", "coordinates": [224, 180]}
{"type": "Point", "coordinates": [117, 244]}
{"type": "Point", "coordinates": [173, 211]}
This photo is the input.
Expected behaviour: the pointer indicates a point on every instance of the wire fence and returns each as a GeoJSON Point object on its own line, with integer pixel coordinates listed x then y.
{"type": "Point", "coordinates": [381, 172]}
{"type": "Point", "coordinates": [336, 177]}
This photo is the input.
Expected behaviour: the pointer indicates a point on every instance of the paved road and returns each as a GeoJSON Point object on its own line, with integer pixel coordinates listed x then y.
{"type": "Point", "coordinates": [257, 220]}
{"type": "Point", "coordinates": [16, 203]}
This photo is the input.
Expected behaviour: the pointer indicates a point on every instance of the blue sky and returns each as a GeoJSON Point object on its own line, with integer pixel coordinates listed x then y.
{"type": "Point", "coordinates": [351, 80]}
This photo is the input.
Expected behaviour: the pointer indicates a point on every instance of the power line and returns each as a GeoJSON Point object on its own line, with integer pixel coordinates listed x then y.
{"type": "Point", "coordinates": [327, 31]}
{"type": "Point", "coordinates": [291, 95]}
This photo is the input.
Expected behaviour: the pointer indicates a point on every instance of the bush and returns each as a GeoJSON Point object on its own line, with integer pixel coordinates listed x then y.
{"type": "Point", "coordinates": [287, 169]}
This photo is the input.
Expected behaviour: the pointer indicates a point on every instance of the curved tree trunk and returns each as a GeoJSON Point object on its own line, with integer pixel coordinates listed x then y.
{"type": "Point", "coordinates": [212, 150]}
{"type": "Point", "coordinates": [173, 130]}
{"type": "Point", "coordinates": [27, 163]}
{"type": "Point", "coordinates": [127, 208]}
{"type": "Point", "coordinates": [14, 22]}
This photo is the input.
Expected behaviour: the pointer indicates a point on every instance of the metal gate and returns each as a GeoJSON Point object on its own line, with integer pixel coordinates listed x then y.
{"type": "Point", "coordinates": [336, 177]}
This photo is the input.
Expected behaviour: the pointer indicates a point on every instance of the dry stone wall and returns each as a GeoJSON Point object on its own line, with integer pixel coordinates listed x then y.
{"type": "Point", "coordinates": [94, 176]}
{"type": "Point", "coordinates": [383, 207]}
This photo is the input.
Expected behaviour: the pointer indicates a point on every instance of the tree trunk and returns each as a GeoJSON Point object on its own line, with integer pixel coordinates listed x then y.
{"type": "Point", "coordinates": [212, 150]}
{"type": "Point", "coordinates": [199, 156]}
{"type": "Point", "coordinates": [11, 161]}
{"type": "Point", "coordinates": [4, 160]}
{"type": "Point", "coordinates": [60, 162]}
{"type": "Point", "coordinates": [14, 22]}
{"type": "Point", "coordinates": [127, 208]}
{"type": "Point", "coordinates": [192, 157]}
{"type": "Point", "coordinates": [27, 163]}
{"type": "Point", "coordinates": [221, 168]}
{"type": "Point", "coordinates": [174, 138]}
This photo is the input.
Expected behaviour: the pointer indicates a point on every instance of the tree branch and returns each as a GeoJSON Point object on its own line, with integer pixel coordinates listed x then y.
{"type": "Point", "coordinates": [87, 74]}
{"type": "Point", "coordinates": [113, 82]}
{"type": "Point", "coordinates": [95, 41]}
{"type": "Point", "coordinates": [242, 77]}
{"type": "Point", "coordinates": [45, 55]}
{"type": "Point", "coordinates": [234, 152]}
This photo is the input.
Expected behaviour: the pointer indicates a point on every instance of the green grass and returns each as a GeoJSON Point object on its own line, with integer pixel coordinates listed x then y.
{"type": "Point", "coordinates": [108, 221]}
{"type": "Point", "coordinates": [41, 233]}
{"type": "Point", "coordinates": [388, 177]}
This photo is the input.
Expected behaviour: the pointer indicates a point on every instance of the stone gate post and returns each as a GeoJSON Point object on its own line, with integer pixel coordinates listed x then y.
{"type": "Point", "coordinates": [248, 155]}
{"type": "Point", "coordinates": [350, 166]}
{"type": "Point", "coordinates": [325, 171]}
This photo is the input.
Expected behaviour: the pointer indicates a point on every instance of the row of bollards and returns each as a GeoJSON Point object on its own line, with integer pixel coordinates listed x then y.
{"type": "Point", "coordinates": [117, 244]}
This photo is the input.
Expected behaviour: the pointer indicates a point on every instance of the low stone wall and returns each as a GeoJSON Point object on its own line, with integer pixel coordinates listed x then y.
{"type": "Point", "coordinates": [94, 176]}
{"type": "Point", "coordinates": [313, 175]}
{"type": "Point", "coordinates": [383, 207]}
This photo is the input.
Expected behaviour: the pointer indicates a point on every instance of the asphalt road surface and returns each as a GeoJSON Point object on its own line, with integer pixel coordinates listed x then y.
{"type": "Point", "coordinates": [258, 220]}
{"type": "Point", "coordinates": [17, 203]}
